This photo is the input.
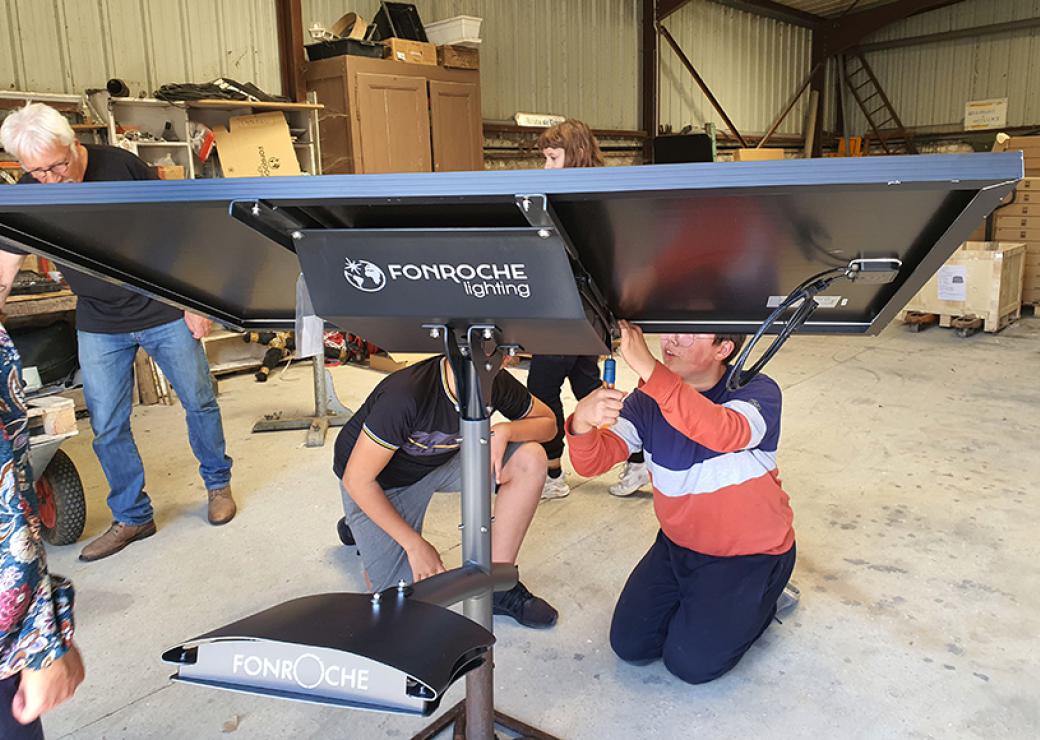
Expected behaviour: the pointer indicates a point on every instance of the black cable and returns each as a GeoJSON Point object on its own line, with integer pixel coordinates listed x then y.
{"type": "Point", "coordinates": [738, 377]}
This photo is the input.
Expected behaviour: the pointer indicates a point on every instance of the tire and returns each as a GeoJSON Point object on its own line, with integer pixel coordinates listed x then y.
{"type": "Point", "coordinates": [63, 507]}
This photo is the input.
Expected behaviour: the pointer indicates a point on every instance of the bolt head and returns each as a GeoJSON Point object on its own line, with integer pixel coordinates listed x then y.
{"type": "Point", "coordinates": [487, 334]}
{"type": "Point", "coordinates": [255, 210]}
{"type": "Point", "coordinates": [544, 233]}
{"type": "Point", "coordinates": [297, 235]}
{"type": "Point", "coordinates": [435, 333]}
{"type": "Point", "coordinates": [512, 351]}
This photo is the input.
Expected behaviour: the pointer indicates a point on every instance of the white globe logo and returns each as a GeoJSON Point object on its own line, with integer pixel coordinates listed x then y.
{"type": "Point", "coordinates": [364, 275]}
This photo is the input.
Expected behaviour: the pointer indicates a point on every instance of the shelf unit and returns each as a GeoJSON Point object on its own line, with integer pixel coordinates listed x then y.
{"type": "Point", "coordinates": [301, 117]}
{"type": "Point", "coordinates": [150, 115]}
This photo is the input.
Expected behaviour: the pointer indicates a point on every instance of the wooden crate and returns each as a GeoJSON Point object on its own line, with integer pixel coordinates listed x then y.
{"type": "Point", "coordinates": [982, 279]}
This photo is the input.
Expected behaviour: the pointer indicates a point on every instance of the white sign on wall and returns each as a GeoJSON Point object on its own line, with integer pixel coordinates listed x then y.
{"type": "Point", "coordinates": [980, 115]}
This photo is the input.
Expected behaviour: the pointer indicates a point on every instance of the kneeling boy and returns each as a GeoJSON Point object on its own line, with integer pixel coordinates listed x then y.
{"type": "Point", "coordinates": [402, 446]}
{"type": "Point", "coordinates": [709, 585]}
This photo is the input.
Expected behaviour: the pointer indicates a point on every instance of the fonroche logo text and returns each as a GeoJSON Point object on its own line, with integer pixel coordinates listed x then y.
{"type": "Point", "coordinates": [308, 671]}
{"type": "Point", "coordinates": [478, 280]}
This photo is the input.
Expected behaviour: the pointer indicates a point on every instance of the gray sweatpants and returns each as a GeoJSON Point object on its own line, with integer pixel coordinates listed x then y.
{"type": "Point", "coordinates": [385, 561]}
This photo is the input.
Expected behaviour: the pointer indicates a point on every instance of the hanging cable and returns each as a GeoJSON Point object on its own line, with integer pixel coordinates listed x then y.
{"type": "Point", "coordinates": [802, 304]}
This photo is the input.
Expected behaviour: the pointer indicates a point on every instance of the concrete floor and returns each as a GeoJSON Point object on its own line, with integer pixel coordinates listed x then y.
{"type": "Point", "coordinates": [910, 461]}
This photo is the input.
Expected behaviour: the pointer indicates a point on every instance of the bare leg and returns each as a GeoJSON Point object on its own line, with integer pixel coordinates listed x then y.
{"type": "Point", "coordinates": [519, 491]}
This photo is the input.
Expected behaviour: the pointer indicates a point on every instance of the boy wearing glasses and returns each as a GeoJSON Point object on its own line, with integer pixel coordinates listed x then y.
{"type": "Point", "coordinates": [709, 585]}
{"type": "Point", "coordinates": [111, 323]}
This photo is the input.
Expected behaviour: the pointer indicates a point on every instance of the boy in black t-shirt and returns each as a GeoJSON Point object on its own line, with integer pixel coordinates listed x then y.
{"type": "Point", "coordinates": [402, 446]}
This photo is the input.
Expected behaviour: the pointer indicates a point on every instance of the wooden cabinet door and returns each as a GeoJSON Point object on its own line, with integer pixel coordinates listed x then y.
{"type": "Point", "coordinates": [328, 79]}
{"type": "Point", "coordinates": [457, 126]}
{"type": "Point", "coordinates": [393, 121]}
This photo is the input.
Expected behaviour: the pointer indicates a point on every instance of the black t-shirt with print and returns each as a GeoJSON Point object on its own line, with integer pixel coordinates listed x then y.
{"type": "Point", "coordinates": [413, 413]}
{"type": "Point", "coordinates": [101, 306]}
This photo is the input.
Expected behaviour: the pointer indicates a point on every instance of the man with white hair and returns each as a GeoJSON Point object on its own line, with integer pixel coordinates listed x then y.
{"type": "Point", "coordinates": [112, 322]}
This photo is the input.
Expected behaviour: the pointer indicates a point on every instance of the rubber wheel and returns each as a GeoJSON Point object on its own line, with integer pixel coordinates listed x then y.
{"type": "Point", "coordinates": [63, 507]}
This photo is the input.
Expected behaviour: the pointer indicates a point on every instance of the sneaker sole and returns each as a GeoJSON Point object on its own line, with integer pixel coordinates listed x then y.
{"type": "Point", "coordinates": [527, 624]}
{"type": "Point", "coordinates": [135, 538]}
{"type": "Point", "coordinates": [623, 494]}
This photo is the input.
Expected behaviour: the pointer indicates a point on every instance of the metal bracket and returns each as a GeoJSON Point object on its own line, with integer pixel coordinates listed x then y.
{"type": "Point", "coordinates": [475, 357]}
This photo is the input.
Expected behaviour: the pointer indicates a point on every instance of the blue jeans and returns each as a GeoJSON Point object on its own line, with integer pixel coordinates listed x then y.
{"type": "Point", "coordinates": [107, 361]}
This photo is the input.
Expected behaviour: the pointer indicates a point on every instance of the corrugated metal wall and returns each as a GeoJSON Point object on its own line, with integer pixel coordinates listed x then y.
{"type": "Point", "coordinates": [929, 84]}
{"type": "Point", "coordinates": [68, 45]}
{"type": "Point", "coordinates": [577, 58]}
{"type": "Point", "coordinates": [574, 57]}
{"type": "Point", "coordinates": [752, 64]}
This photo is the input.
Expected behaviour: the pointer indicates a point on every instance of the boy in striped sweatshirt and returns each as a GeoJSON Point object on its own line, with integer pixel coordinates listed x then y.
{"type": "Point", "coordinates": [708, 587]}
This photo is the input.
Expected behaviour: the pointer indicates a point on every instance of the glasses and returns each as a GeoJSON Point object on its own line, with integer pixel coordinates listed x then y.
{"type": "Point", "coordinates": [683, 340]}
{"type": "Point", "coordinates": [58, 169]}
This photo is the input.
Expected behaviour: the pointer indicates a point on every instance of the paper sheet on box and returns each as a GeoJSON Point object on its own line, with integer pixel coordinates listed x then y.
{"type": "Point", "coordinates": [953, 283]}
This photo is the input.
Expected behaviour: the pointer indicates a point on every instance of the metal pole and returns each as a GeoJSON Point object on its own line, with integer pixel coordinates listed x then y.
{"type": "Point", "coordinates": [476, 550]}
{"type": "Point", "coordinates": [790, 106]}
{"type": "Point", "coordinates": [701, 83]}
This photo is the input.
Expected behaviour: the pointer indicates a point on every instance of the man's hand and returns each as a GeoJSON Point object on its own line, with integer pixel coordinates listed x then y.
{"type": "Point", "coordinates": [424, 560]}
{"type": "Point", "coordinates": [199, 326]}
{"type": "Point", "coordinates": [600, 408]}
{"type": "Point", "coordinates": [42, 690]}
{"type": "Point", "coordinates": [635, 352]}
{"type": "Point", "coordinates": [499, 439]}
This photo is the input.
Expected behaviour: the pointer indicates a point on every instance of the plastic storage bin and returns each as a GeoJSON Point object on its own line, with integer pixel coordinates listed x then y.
{"type": "Point", "coordinates": [462, 30]}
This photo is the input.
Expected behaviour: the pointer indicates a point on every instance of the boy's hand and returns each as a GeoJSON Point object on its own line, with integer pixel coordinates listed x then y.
{"type": "Point", "coordinates": [635, 352]}
{"type": "Point", "coordinates": [600, 408]}
{"type": "Point", "coordinates": [424, 560]}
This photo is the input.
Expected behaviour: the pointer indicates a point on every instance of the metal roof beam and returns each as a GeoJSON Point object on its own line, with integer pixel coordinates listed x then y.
{"type": "Point", "coordinates": [961, 33]}
{"type": "Point", "coordinates": [774, 10]}
{"type": "Point", "coordinates": [843, 33]}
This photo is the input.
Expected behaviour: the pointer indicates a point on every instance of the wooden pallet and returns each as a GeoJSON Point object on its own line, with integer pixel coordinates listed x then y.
{"type": "Point", "coordinates": [965, 325]}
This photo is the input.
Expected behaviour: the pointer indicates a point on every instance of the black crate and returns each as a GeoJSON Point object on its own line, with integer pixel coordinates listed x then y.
{"type": "Point", "coordinates": [339, 47]}
{"type": "Point", "coordinates": [398, 21]}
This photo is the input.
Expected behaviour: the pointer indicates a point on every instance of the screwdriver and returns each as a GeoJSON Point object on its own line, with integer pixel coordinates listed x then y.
{"type": "Point", "coordinates": [609, 372]}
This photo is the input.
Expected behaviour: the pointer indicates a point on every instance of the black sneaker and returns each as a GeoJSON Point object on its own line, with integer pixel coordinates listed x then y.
{"type": "Point", "coordinates": [523, 606]}
{"type": "Point", "coordinates": [345, 535]}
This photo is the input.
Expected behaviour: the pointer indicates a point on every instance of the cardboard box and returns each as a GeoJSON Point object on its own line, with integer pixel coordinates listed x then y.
{"type": "Point", "coordinates": [458, 57]}
{"type": "Point", "coordinates": [1016, 234]}
{"type": "Point", "coordinates": [257, 146]}
{"type": "Point", "coordinates": [757, 155]}
{"type": "Point", "coordinates": [413, 52]}
{"type": "Point", "coordinates": [1007, 221]}
{"type": "Point", "coordinates": [169, 171]}
{"type": "Point", "coordinates": [981, 278]}
{"type": "Point", "coordinates": [1019, 209]}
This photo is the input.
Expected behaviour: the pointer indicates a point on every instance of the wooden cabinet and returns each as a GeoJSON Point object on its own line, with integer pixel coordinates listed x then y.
{"type": "Point", "coordinates": [386, 116]}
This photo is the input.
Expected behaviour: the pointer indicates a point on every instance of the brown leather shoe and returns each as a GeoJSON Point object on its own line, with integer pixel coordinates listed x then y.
{"type": "Point", "coordinates": [221, 506]}
{"type": "Point", "coordinates": [118, 536]}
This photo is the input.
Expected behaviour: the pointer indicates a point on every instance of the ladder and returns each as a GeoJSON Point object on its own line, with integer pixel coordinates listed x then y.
{"type": "Point", "coordinates": [877, 108]}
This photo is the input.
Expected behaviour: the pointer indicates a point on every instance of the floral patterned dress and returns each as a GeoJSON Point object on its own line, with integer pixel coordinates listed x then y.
{"type": "Point", "coordinates": [35, 607]}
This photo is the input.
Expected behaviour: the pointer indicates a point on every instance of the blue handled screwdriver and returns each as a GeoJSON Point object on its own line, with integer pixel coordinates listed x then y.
{"type": "Point", "coordinates": [609, 372]}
